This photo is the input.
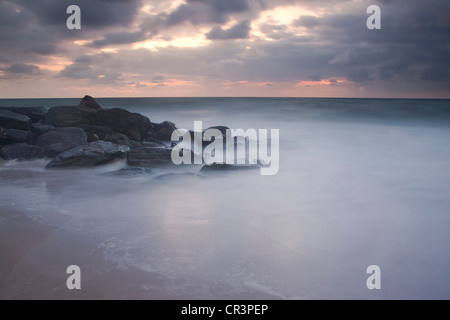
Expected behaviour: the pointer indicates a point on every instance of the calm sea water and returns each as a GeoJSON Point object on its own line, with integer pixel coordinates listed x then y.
{"type": "Point", "coordinates": [362, 182]}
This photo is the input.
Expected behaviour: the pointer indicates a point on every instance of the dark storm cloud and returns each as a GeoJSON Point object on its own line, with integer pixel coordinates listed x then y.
{"type": "Point", "coordinates": [18, 68]}
{"type": "Point", "coordinates": [413, 46]}
{"type": "Point", "coordinates": [95, 13]}
{"type": "Point", "coordinates": [207, 11]}
{"type": "Point", "coordinates": [239, 31]}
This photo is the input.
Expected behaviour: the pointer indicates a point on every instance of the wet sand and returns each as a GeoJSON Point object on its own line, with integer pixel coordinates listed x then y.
{"type": "Point", "coordinates": [18, 236]}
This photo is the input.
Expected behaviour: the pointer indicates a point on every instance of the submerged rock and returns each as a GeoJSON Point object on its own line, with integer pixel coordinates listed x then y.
{"type": "Point", "coordinates": [90, 155]}
{"type": "Point", "coordinates": [90, 102]}
{"type": "Point", "coordinates": [149, 157]}
{"type": "Point", "coordinates": [21, 151]}
{"type": "Point", "coordinates": [62, 139]}
{"type": "Point", "coordinates": [70, 116]}
{"type": "Point", "coordinates": [220, 167]}
{"type": "Point", "coordinates": [172, 176]}
{"type": "Point", "coordinates": [129, 172]}
{"type": "Point", "coordinates": [133, 125]}
{"type": "Point", "coordinates": [12, 120]}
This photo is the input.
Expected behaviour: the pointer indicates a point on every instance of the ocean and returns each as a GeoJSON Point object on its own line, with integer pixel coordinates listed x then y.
{"type": "Point", "coordinates": [361, 182]}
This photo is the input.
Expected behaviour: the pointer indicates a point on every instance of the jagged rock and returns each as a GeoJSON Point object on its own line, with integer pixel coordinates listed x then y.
{"type": "Point", "coordinates": [34, 113]}
{"type": "Point", "coordinates": [92, 154]}
{"type": "Point", "coordinates": [62, 139]}
{"type": "Point", "coordinates": [100, 131]}
{"type": "Point", "coordinates": [149, 157]}
{"type": "Point", "coordinates": [40, 128]}
{"type": "Point", "coordinates": [117, 138]}
{"type": "Point", "coordinates": [18, 136]}
{"type": "Point", "coordinates": [21, 151]}
{"type": "Point", "coordinates": [90, 102]}
{"type": "Point", "coordinates": [70, 116]}
{"type": "Point", "coordinates": [93, 138]}
{"type": "Point", "coordinates": [220, 167]}
{"type": "Point", "coordinates": [12, 120]}
{"type": "Point", "coordinates": [133, 125]}
{"type": "Point", "coordinates": [163, 131]}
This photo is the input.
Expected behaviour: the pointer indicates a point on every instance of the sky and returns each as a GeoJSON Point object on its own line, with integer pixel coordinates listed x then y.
{"type": "Point", "coordinates": [225, 48]}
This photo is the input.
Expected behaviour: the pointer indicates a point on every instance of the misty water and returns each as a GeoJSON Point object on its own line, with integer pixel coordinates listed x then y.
{"type": "Point", "coordinates": [361, 182]}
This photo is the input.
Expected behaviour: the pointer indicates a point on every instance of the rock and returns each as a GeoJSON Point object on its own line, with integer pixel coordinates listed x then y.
{"type": "Point", "coordinates": [12, 120]}
{"type": "Point", "coordinates": [90, 102]}
{"type": "Point", "coordinates": [163, 131]}
{"type": "Point", "coordinates": [176, 176]}
{"type": "Point", "coordinates": [129, 172]}
{"type": "Point", "coordinates": [222, 129]}
{"type": "Point", "coordinates": [133, 125]}
{"type": "Point", "coordinates": [135, 145]}
{"type": "Point", "coordinates": [21, 151]}
{"type": "Point", "coordinates": [100, 131]}
{"type": "Point", "coordinates": [92, 154]}
{"type": "Point", "coordinates": [93, 138]}
{"type": "Point", "coordinates": [220, 167]}
{"type": "Point", "coordinates": [34, 113]}
{"type": "Point", "coordinates": [18, 136]}
{"type": "Point", "coordinates": [60, 140]}
{"type": "Point", "coordinates": [67, 116]}
{"type": "Point", "coordinates": [149, 157]}
{"type": "Point", "coordinates": [2, 132]}
{"type": "Point", "coordinates": [117, 138]}
{"type": "Point", "coordinates": [40, 128]}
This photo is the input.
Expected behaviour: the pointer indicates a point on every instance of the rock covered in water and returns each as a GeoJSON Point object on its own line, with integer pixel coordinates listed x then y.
{"type": "Point", "coordinates": [12, 120]}
{"type": "Point", "coordinates": [221, 167]}
{"type": "Point", "coordinates": [90, 155]}
{"type": "Point", "coordinates": [133, 125]}
{"type": "Point", "coordinates": [90, 102]}
{"type": "Point", "coordinates": [70, 116]}
{"type": "Point", "coordinates": [149, 157]}
{"type": "Point", "coordinates": [62, 139]}
{"type": "Point", "coordinates": [21, 151]}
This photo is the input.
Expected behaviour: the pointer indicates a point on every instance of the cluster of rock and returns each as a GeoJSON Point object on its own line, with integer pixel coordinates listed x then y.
{"type": "Point", "coordinates": [82, 136]}
{"type": "Point", "coordinates": [85, 135]}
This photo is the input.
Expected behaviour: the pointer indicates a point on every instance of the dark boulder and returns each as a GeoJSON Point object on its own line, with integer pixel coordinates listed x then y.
{"type": "Point", "coordinates": [117, 138]}
{"type": "Point", "coordinates": [163, 131]}
{"type": "Point", "coordinates": [62, 139]}
{"type": "Point", "coordinates": [34, 113]}
{"type": "Point", "coordinates": [100, 131]}
{"type": "Point", "coordinates": [133, 125]}
{"type": "Point", "coordinates": [90, 102]}
{"type": "Point", "coordinates": [21, 151]}
{"type": "Point", "coordinates": [93, 138]}
{"type": "Point", "coordinates": [90, 155]}
{"type": "Point", "coordinates": [70, 116]}
{"type": "Point", "coordinates": [2, 133]}
{"type": "Point", "coordinates": [18, 136]}
{"type": "Point", "coordinates": [40, 128]}
{"type": "Point", "coordinates": [12, 120]}
{"type": "Point", "coordinates": [149, 157]}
